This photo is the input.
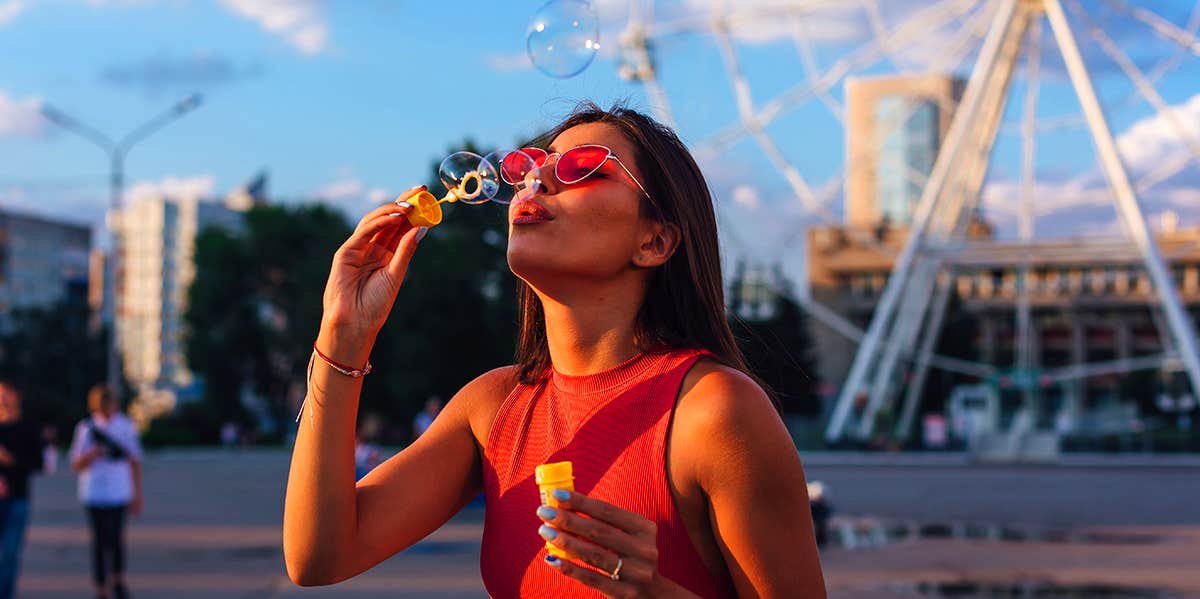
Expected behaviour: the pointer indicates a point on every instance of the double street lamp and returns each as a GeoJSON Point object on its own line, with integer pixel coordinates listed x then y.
{"type": "Point", "coordinates": [117, 151]}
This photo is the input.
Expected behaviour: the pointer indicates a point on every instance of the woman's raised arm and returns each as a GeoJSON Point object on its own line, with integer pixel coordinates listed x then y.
{"type": "Point", "coordinates": [333, 530]}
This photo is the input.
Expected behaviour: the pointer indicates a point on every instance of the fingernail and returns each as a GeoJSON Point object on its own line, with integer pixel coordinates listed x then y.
{"type": "Point", "coordinates": [561, 494]}
{"type": "Point", "coordinates": [547, 533]}
{"type": "Point", "coordinates": [553, 561]}
{"type": "Point", "coordinates": [421, 233]}
{"type": "Point", "coordinates": [546, 512]}
{"type": "Point", "coordinates": [414, 188]}
{"type": "Point", "coordinates": [403, 204]}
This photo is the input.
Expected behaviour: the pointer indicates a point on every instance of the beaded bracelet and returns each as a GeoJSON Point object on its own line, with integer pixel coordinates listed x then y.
{"type": "Point", "coordinates": [342, 368]}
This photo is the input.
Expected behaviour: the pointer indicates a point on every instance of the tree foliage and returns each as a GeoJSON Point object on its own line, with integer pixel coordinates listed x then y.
{"type": "Point", "coordinates": [53, 357]}
{"type": "Point", "coordinates": [255, 307]}
{"type": "Point", "coordinates": [255, 304]}
{"type": "Point", "coordinates": [779, 350]}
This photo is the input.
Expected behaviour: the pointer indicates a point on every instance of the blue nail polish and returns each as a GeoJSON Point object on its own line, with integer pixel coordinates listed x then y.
{"type": "Point", "coordinates": [561, 494]}
{"type": "Point", "coordinates": [421, 233]}
{"type": "Point", "coordinates": [553, 561]}
{"type": "Point", "coordinates": [546, 512]}
{"type": "Point", "coordinates": [547, 533]}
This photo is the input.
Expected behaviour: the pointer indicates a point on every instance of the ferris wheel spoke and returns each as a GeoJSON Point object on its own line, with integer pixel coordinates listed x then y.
{"type": "Point", "coordinates": [1164, 171]}
{"type": "Point", "coordinates": [1160, 25]}
{"type": "Point", "coordinates": [922, 21]}
{"type": "Point", "coordinates": [1147, 91]}
{"type": "Point", "coordinates": [1029, 131]}
{"type": "Point", "coordinates": [808, 60]}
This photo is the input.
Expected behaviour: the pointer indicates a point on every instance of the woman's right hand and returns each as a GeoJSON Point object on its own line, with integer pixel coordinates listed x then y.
{"type": "Point", "coordinates": [367, 272]}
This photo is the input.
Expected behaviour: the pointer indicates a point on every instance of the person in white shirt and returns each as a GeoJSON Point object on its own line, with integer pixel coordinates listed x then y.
{"type": "Point", "coordinates": [107, 455]}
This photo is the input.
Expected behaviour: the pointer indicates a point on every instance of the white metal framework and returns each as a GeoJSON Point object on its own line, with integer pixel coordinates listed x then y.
{"type": "Point", "coordinates": [906, 304]}
{"type": "Point", "coordinates": [897, 349]}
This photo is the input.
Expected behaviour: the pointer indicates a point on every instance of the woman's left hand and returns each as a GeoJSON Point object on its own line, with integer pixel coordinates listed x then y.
{"type": "Point", "coordinates": [618, 542]}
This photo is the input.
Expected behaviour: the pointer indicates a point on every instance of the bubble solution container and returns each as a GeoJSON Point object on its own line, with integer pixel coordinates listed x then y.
{"type": "Point", "coordinates": [550, 477]}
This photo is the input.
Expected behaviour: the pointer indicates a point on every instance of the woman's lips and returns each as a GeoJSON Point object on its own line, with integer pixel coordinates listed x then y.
{"type": "Point", "coordinates": [528, 212]}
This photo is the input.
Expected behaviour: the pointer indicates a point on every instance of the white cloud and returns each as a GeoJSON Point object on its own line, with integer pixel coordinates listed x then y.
{"type": "Point", "coordinates": [379, 195]}
{"type": "Point", "coordinates": [341, 190]}
{"type": "Point", "coordinates": [10, 9]}
{"type": "Point", "coordinates": [21, 118]}
{"type": "Point", "coordinates": [746, 197]}
{"type": "Point", "coordinates": [172, 187]}
{"type": "Point", "coordinates": [1149, 141]}
{"type": "Point", "coordinates": [766, 21]}
{"type": "Point", "coordinates": [508, 63]}
{"type": "Point", "coordinates": [300, 22]}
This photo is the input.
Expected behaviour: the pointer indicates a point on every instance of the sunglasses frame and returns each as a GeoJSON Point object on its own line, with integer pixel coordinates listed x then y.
{"type": "Point", "coordinates": [546, 157]}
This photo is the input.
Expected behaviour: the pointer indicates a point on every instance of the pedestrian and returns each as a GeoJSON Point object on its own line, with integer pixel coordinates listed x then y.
{"type": "Point", "coordinates": [686, 481]}
{"type": "Point", "coordinates": [229, 435]}
{"type": "Point", "coordinates": [107, 455]}
{"type": "Point", "coordinates": [21, 455]}
{"type": "Point", "coordinates": [424, 418]}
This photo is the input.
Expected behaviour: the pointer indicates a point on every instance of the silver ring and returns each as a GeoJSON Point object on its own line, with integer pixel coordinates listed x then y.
{"type": "Point", "coordinates": [616, 573]}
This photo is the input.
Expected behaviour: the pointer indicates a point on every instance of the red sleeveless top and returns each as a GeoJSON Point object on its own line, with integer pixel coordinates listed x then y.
{"type": "Point", "coordinates": [613, 427]}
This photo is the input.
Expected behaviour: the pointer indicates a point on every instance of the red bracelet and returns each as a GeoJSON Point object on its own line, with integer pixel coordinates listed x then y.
{"type": "Point", "coordinates": [342, 368]}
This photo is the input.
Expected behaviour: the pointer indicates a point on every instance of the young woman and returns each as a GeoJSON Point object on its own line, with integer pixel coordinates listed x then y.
{"type": "Point", "coordinates": [687, 483]}
{"type": "Point", "coordinates": [107, 455]}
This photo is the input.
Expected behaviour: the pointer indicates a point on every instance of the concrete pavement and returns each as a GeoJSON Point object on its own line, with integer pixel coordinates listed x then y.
{"type": "Point", "coordinates": [212, 529]}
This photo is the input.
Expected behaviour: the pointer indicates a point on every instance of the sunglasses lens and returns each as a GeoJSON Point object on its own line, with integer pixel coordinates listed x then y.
{"type": "Point", "coordinates": [580, 162]}
{"type": "Point", "coordinates": [517, 165]}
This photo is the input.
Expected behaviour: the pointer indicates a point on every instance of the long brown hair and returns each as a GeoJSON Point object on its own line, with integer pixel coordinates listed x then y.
{"type": "Point", "coordinates": [684, 305]}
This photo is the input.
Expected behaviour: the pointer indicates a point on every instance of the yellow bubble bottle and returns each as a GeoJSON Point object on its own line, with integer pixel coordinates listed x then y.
{"type": "Point", "coordinates": [549, 477]}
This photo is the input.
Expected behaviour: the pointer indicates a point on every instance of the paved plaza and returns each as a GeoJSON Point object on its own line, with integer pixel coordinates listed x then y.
{"type": "Point", "coordinates": [212, 529]}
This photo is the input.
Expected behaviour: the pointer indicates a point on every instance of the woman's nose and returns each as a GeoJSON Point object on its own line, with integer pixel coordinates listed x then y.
{"type": "Point", "coordinates": [549, 183]}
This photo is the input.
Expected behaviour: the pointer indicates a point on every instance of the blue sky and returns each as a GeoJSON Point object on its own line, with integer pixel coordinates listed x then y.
{"type": "Point", "coordinates": [351, 100]}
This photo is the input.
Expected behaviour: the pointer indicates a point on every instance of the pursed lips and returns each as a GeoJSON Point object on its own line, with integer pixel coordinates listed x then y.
{"type": "Point", "coordinates": [530, 211]}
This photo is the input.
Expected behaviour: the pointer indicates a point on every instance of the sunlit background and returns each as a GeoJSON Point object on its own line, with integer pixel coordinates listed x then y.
{"type": "Point", "coordinates": [231, 144]}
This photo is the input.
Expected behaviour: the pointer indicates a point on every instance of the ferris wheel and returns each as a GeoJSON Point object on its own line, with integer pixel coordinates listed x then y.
{"type": "Point", "coordinates": [1035, 43]}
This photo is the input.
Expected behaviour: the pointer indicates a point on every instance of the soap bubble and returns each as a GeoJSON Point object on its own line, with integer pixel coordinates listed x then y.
{"type": "Point", "coordinates": [516, 168]}
{"type": "Point", "coordinates": [563, 38]}
{"type": "Point", "coordinates": [468, 178]}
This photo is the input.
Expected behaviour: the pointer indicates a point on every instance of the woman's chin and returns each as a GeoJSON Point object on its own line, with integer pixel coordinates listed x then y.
{"type": "Point", "coordinates": [524, 260]}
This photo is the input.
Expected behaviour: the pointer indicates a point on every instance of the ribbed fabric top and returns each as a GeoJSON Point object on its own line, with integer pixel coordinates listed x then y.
{"type": "Point", "coordinates": [613, 427]}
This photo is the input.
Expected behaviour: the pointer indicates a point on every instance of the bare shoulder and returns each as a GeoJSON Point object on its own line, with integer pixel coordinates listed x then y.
{"type": "Point", "coordinates": [485, 386]}
{"type": "Point", "coordinates": [716, 396]}
{"type": "Point", "coordinates": [481, 398]}
{"type": "Point", "coordinates": [728, 420]}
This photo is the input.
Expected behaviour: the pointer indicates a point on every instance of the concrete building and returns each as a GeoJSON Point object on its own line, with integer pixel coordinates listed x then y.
{"type": "Point", "coordinates": [1091, 299]}
{"type": "Point", "coordinates": [158, 264]}
{"type": "Point", "coordinates": [42, 262]}
{"type": "Point", "coordinates": [894, 129]}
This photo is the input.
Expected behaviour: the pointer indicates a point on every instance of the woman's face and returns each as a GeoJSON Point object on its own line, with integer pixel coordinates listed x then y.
{"type": "Point", "coordinates": [590, 229]}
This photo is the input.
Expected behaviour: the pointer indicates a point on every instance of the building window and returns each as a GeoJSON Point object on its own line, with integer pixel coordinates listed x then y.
{"type": "Point", "coordinates": [908, 144]}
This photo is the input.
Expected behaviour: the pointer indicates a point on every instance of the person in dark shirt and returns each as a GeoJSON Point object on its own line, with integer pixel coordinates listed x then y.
{"type": "Point", "coordinates": [21, 453]}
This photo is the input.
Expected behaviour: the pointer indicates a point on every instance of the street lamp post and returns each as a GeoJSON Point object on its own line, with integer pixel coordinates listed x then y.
{"type": "Point", "coordinates": [117, 151]}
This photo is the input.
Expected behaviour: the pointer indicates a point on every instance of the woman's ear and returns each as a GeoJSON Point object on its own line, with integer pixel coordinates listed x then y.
{"type": "Point", "coordinates": [658, 244]}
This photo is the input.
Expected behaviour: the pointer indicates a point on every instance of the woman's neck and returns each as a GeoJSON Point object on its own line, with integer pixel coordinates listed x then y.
{"type": "Point", "coordinates": [591, 331]}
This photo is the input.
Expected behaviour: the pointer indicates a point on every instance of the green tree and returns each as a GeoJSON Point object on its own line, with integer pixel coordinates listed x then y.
{"type": "Point", "coordinates": [53, 357]}
{"type": "Point", "coordinates": [455, 317]}
{"type": "Point", "coordinates": [255, 307]}
{"type": "Point", "coordinates": [779, 348]}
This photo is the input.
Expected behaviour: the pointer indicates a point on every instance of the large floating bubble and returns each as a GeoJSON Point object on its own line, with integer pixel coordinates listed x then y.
{"type": "Point", "coordinates": [563, 38]}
